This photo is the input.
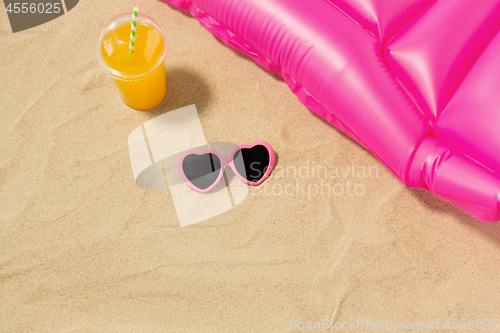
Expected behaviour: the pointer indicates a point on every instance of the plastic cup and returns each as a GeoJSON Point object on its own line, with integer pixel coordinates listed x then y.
{"type": "Point", "coordinates": [139, 76]}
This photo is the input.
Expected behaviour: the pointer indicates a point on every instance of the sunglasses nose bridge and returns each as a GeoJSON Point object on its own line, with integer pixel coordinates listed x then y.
{"type": "Point", "coordinates": [225, 161]}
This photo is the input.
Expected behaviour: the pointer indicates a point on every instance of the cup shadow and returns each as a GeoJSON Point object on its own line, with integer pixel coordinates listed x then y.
{"type": "Point", "coordinates": [184, 87]}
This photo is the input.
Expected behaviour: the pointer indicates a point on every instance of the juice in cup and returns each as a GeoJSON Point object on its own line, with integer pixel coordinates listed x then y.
{"type": "Point", "coordinates": [140, 75]}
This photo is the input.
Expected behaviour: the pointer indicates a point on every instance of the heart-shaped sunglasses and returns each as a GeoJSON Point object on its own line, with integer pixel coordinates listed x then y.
{"type": "Point", "coordinates": [202, 170]}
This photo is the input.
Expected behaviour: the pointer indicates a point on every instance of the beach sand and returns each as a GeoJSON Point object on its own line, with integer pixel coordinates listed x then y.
{"type": "Point", "coordinates": [84, 249]}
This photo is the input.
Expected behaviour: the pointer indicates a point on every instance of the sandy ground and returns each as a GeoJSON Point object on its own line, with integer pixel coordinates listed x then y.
{"type": "Point", "coordinates": [84, 249]}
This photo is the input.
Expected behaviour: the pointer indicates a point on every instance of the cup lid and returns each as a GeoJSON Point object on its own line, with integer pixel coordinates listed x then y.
{"type": "Point", "coordinates": [117, 49]}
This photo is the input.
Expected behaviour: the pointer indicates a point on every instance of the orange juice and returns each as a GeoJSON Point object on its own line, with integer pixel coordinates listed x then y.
{"type": "Point", "coordinates": [140, 75]}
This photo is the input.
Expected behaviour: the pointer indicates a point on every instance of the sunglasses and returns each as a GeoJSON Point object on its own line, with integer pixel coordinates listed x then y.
{"type": "Point", "coordinates": [202, 170]}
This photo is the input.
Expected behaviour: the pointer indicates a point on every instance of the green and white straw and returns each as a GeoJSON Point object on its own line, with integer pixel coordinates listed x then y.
{"type": "Point", "coordinates": [132, 31]}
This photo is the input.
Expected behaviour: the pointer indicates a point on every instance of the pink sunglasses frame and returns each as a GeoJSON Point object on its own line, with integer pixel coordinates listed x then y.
{"type": "Point", "coordinates": [226, 161]}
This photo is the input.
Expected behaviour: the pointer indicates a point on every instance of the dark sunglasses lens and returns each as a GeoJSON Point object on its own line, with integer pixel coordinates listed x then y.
{"type": "Point", "coordinates": [252, 163]}
{"type": "Point", "coordinates": [201, 170]}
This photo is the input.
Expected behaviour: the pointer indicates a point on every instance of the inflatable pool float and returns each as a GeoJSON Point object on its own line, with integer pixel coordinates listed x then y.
{"type": "Point", "coordinates": [417, 82]}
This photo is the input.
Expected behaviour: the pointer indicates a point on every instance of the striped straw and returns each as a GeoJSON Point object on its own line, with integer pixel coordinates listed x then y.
{"type": "Point", "coordinates": [132, 31]}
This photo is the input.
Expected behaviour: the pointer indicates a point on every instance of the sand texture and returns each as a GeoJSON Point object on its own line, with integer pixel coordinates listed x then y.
{"type": "Point", "coordinates": [84, 249]}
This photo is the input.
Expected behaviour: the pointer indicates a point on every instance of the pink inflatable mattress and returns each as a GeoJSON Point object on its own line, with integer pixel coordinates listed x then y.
{"type": "Point", "coordinates": [417, 82]}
